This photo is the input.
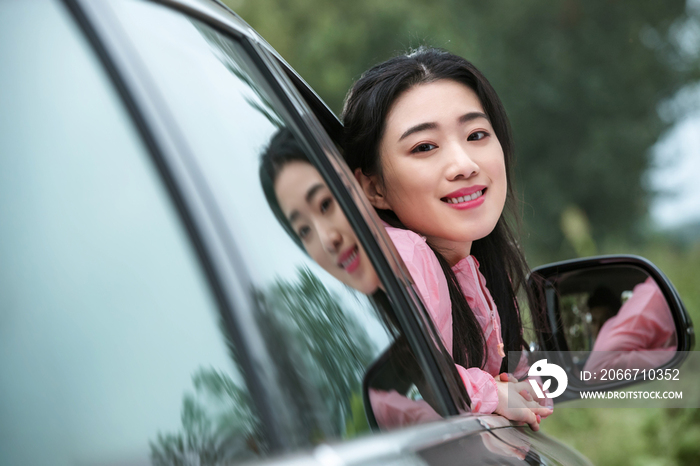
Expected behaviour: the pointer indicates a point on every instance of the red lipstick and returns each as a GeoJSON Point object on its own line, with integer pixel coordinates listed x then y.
{"type": "Point", "coordinates": [453, 199]}
{"type": "Point", "coordinates": [465, 191]}
{"type": "Point", "coordinates": [350, 259]}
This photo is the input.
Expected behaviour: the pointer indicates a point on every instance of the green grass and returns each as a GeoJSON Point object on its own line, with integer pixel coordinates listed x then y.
{"type": "Point", "coordinates": [629, 436]}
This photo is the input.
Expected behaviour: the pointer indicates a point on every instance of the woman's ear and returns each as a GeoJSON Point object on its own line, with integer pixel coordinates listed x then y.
{"type": "Point", "coordinates": [372, 189]}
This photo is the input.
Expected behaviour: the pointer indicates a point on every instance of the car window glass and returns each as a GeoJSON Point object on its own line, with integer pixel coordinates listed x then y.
{"type": "Point", "coordinates": [111, 344]}
{"type": "Point", "coordinates": [325, 335]}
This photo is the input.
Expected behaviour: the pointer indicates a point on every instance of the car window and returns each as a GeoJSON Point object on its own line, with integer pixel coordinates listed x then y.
{"type": "Point", "coordinates": [327, 337]}
{"type": "Point", "coordinates": [112, 347]}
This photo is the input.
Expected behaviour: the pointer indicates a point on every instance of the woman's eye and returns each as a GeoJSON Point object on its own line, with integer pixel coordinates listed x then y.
{"type": "Point", "coordinates": [303, 232]}
{"type": "Point", "coordinates": [326, 204]}
{"type": "Point", "coordinates": [477, 136]}
{"type": "Point", "coordinates": [425, 147]}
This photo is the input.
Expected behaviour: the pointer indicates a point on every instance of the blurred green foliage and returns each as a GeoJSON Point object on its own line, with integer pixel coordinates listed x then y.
{"type": "Point", "coordinates": [582, 82]}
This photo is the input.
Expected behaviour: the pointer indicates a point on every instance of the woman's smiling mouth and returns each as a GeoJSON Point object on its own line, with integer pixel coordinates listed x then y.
{"type": "Point", "coordinates": [457, 200]}
{"type": "Point", "coordinates": [466, 198]}
{"type": "Point", "coordinates": [350, 260]}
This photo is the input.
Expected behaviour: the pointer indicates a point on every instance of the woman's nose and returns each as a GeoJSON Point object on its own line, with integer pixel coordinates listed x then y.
{"type": "Point", "coordinates": [461, 163]}
{"type": "Point", "coordinates": [331, 239]}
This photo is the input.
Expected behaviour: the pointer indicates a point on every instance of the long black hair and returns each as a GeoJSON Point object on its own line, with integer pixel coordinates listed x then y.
{"type": "Point", "coordinates": [501, 260]}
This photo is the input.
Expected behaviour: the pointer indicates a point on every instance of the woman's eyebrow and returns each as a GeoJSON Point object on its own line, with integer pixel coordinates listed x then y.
{"type": "Point", "coordinates": [424, 126]}
{"type": "Point", "coordinates": [473, 116]}
{"type": "Point", "coordinates": [293, 215]}
{"type": "Point", "coordinates": [417, 128]}
{"type": "Point", "coordinates": [312, 191]}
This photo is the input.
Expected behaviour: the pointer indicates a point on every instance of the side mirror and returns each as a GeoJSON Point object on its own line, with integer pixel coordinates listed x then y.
{"type": "Point", "coordinates": [394, 390]}
{"type": "Point", "coordinates": [609, 312]}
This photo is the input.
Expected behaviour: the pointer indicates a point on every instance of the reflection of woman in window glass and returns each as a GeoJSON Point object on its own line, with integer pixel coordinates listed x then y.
{"type": "Point", "coordinates": [305, 207]}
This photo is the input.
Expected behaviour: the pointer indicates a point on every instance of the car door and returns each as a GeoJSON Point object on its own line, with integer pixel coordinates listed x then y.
{"type": "Point", "coordinates": [116, 344]}
{"type": "Point", "coordinates": [109, 201]}
{"type": "Point", "coordinates": [154, 309]}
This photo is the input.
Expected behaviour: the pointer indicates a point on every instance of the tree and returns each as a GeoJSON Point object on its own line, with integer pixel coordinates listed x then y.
{"type": "Point", "coordinates": [582, 82]}
{"type": "Point", "coordinates": [219, 425]}
{"type": "Point", "coordinates": [321, 349]}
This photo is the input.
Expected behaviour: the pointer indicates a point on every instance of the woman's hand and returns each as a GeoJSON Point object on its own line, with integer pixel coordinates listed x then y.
{"type": "Point", "coordinates": [519, 408]}
{"type": "Point", "coordinates": [529, 393]}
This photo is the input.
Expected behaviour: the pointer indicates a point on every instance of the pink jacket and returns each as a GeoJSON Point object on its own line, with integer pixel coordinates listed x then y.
{"type": "Point", "coordinates": [432, 286]}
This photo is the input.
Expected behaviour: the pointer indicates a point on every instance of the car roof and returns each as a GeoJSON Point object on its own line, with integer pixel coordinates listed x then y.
{"type": "Point", "coordinates": [212, 10]}
{"type": "Point", "coordinates": [218, 14]}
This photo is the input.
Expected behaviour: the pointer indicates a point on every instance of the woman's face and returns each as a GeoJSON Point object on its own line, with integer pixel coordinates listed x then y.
{"type": "Point", "coordinates": [318, 220]}
{"type": "Point", "coordinates": [443, 167]}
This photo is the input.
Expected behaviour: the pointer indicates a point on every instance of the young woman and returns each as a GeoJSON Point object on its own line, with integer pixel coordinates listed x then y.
{"type": "Point", "coordinates": [429, 141]}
